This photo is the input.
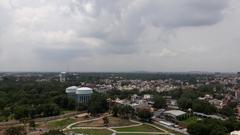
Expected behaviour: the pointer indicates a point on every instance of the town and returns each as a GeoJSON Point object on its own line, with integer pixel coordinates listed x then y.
{"type": "Point", "coordinates": [169, 103]}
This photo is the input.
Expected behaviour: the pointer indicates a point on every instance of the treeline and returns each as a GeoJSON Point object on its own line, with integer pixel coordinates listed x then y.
{"type": "Point", "coordinates": [33, 99]}
{"type": "Point", "coordinates": [213, 127]}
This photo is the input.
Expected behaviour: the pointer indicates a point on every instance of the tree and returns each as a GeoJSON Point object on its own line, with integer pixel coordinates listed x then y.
{"type": "Point", "coordinates": [115, 110]}
{"type": "Point", "coordinates": [159, 102]}
{"type": "Point", "coordinates": [50, 110]}
{"type": "Point", "coordinates": [20, 112]}
{"type": "Point", "coordinates": [203, 107]}
{"type": "Point", "coordinates": [198, 129]}
{"type": "Point", "coordinates": [15, 131]}
{"type": "Point", "coordinates": [209, 127]}
{"type": "Point", "coordinates": [227, 111]}
{"type": "Point", "coordinates": [124, 111]}
{"type": "Point", "coordinates": [105, 121]}
{"type": "Point", "coordinates": [97, 104]}
{"type": "Point", "coordinates": [184, 103]}
{"type": "Point", "coordinates": [54, 132]}
{"type": "Point", "coordinates": [145, 115]}
{"type": "Point", "coordinates": [32, 124]}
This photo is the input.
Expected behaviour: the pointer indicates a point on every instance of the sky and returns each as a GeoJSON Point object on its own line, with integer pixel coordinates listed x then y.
{"type": "Point", "coordinates": [120, 35]}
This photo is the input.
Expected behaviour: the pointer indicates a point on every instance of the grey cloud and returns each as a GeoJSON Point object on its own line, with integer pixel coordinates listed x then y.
{"type": "Point", "coordinates": [60, 55]}
{"type": "Point", "coordinates": [128, 19]}
{"type": "Point", "coordinates": [71, 29]}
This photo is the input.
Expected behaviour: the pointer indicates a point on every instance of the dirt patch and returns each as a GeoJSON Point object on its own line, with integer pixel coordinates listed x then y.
{"type": "Point", "coordinates": [113, 122]}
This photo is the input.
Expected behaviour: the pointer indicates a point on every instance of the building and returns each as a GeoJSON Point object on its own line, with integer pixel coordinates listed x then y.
{"type": "Point", "coordinates": [237, 95]}
{"type": "Point", "coordinates": [62, 77]}
{"type": "Point", "coordinates": [81, 95]}
{"type": "Point", "coordinates": [175, 115]}
{"type": "Point", "coordinates": [217, 103]}
{"type": "Point", "coordinates": [71, 91]}
{"type": "Point", "coordinates": [235, 133]}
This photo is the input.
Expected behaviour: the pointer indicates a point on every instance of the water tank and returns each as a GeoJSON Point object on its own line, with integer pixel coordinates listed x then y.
{"type": "Point", "coordinates": [84, 90]}
{"type": "Point", "coordinates": [71, 89]}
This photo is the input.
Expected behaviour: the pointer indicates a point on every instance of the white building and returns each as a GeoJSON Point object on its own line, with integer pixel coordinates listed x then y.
{"type": "Point", "coordinates": [81, 95]}
{"type": "Point", "coordinates": [235, 133]}
{"type": "Point", "coordinates": [84, 94]}
{"type": "Point", "coordinates": [71, 91]}
{"type": "Point", "coordinates": [62, 77]}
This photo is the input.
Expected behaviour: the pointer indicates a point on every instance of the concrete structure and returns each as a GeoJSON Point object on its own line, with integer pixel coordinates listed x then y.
{"type": "Point", "coordinates": [235, 133]}
{"type": "Point", "coordinates": [174, 115]}
{"type": "Point", "coordinates": [71, 91]}
{"type": "Point", "coordinates": [62, 77]}
{"type": "Point", "coordinates": [81, 95]}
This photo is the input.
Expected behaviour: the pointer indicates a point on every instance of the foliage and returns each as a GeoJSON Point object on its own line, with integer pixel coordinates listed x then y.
{"type": "Point", "coordinates": [145, 115]}
{"type": "Point", "coordinates": [203, 107]}
{"type": "Point", "coordinates": [32, 124]}
{"type": "Point", "coordinates": [105, 121]}
{"type": "Point", "coordinates": [54, 132]}
{"type": "Point", "coordinates": [159, 102]}
{"type": "Point", "coordinates": [15, 131]}
{"type": "Point", "coordinates": [213, 127]}
{"type": "Point", "coordinates": [124, 111]}
{"type": "Point", "coordinates": [34, 99]}
{"type": "Point", "coordinates": [97, 104]}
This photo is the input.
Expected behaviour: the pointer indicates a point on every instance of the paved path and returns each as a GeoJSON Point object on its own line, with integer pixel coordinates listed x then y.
{"type": "Point", "coordinates": [162, 131]}
{"type": "Point", "coordinates": [70, 126]}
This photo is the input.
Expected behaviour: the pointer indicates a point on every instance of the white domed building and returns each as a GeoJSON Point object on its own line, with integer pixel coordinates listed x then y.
{"type": "Point", "coordinates": [82, 94]}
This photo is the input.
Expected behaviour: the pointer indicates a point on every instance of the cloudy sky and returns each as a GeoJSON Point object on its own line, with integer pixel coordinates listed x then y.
{"type": "Point", "coordinates": [120, 35]}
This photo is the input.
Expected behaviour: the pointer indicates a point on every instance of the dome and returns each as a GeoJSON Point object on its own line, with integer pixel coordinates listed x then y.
{"type": "Point", "coordinates": [71, 89]}
{"type": "Point", "coordinates": [84, 90]}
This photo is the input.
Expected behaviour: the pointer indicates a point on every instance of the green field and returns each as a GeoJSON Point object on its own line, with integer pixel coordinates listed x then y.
{"type": "Point", "coordinates": [142, 128]}
{"type": "Point", "coordinates": [171, 131]}
{"type": "Point", "coordinates": [93, 131]}
{"type": "Point", "coordinates": [60, 123]}
{"type": "Point", "coordinates": [138, 134]}
{"type": "Point", "coordinates": [190, 120]}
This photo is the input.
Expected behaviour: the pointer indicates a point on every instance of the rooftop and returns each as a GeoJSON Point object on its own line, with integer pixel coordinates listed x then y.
{"type": "Point", "coordinates": [175, 112]}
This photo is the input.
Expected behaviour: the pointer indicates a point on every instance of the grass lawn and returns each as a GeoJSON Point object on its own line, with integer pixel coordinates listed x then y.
{"type": "Point", "coordinates": [66, 111]}
{"type": "Point", "coordinates": [61, 123]}
{"type": "Point", "coordinates": [93, 131]}
{"type": "Point", "coordinates": [190, 120]}
{"type": "Point", "coordinates": [142, 128]}
{"type": "Point", "coordinates": [138, 134]}
{"type": "Point", "coordinates": [171, 131]}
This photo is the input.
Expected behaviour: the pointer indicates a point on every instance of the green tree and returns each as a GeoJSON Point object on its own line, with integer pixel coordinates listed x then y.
{"type": "Point", "coordinates": [184, 103]}
{"type": "Point", "coordinates": [203, 107]}
{"type": "Point", "coordinates": [145, 115]}
{"type": "Point", "coordinates": [115, 110]}
{"type": "Point", "coordinates": [15, 131]}
{"type": "Point", "coordinates": [105, 121]}
{"type": "Point", "coordinates": [227, 111]}
{"type": "Point", "coordinates": [97, 104]}
{"type": "Point", "coordinates": [32, 124]}
{"type": "Point", "coordinates": [54, 132]}
{"type": "Point", "coordinates": [159, 102]}
{"type": "Point", "coordinates": [198, 129]}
